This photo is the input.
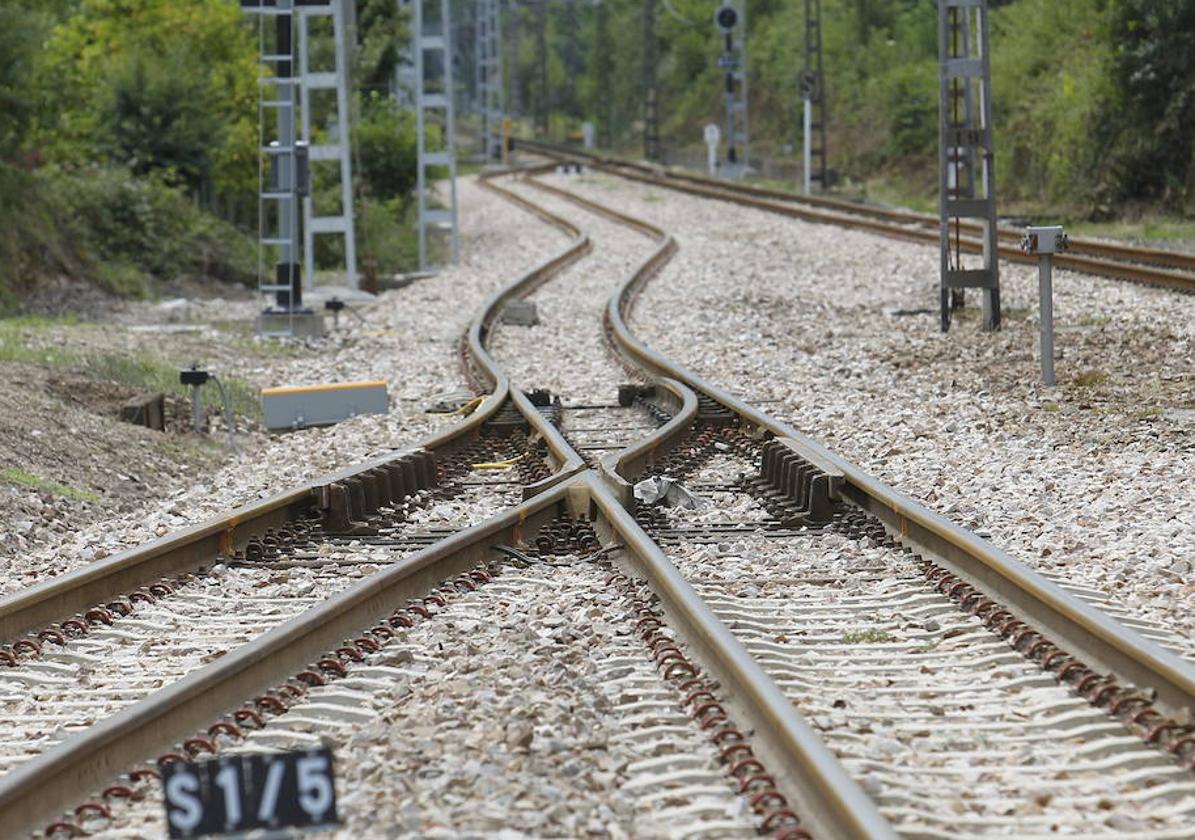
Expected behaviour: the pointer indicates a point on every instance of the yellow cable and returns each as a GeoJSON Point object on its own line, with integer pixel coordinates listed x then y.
{"type": "Point", "coordinates": [499, 465]}
{"type": "Point", "coordinates": [470, 406]}
{"type": "Point", "coordinates": [467, 408]}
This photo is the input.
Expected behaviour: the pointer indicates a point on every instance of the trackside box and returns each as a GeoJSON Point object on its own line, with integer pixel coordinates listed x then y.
{"type": "Point", "coordinates": [321, 405]}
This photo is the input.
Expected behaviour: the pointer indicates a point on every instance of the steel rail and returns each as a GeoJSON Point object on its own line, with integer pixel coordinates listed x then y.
{"type": "Point", "coordinates": [899, 224]}
{"type": "Point", "coordinates": [63, 775]}
{"type": "Point", "coordinates": [621, 469]}
{"type": "Point", "coordinates": [64, 595]}
{"type": "Point", "coordinates": [1087, 632]}
{"type": "Point", "coordinates": [830, 803]}
{"type": "Point", "coordinates": [828, 799]}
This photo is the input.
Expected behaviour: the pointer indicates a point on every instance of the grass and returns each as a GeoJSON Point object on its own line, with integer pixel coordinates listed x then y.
{"type": "Point", "coordinates": [141, 371]}
{"type": "Point", "coordinates": [870, 636]}
{"type": "Point", "coordinates": [1091, 378]}
{"type": "Point", "coordinates": [24, 478]}
{"type": "Point", "coordinates": [1158, 228]}
{"type": "Point", "coordinates": [150, 373]}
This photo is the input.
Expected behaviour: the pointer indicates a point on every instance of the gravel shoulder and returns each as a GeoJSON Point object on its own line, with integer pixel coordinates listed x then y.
{"type": "Point", "coordinates": [1093, 479]}
{"type": "Point", "coordinates": [79, 485]}
{"type": "Point", "coordinates": [566, 351]}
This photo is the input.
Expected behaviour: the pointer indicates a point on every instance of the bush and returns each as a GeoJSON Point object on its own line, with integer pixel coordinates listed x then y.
{"type": "Point", "coordinates": [386, 144]}
{"type": "Point", "coordinates": [123, 233]}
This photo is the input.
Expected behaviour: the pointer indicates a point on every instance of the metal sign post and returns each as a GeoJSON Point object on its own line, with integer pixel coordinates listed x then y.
{"type": "Point", "coordinates": [813, 92]}
{"type": "Point", "coordinates": [966, 181]}
{"type": "Point", "coordinates": [732, 21]}
{"type": "Point", "coordinates": [713, 136]}
{"type": "Point", "coordinates": [1045, 242]}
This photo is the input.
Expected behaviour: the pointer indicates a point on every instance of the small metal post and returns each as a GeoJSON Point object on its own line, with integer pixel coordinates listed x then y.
{"type": "Point", "coordinates": [196, 378]}
{"type": "Point", "coordinates": [1045, 242]}
{"type": "Point", "coordinates": [713, 136]}
{"type": "Point", "coordinates": [196, 409]}
{"type": "Point", "coordinates": [807, 132]}
{"type": "Point", "coordinates": [1045, 285]}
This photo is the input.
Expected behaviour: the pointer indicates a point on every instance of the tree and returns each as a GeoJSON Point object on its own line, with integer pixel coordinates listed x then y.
{"type": "Point", "coordinates": [1156, 68]}
{"type": "Point", "coordinates": [154, 118]}
{"type": "Point", "coordinates": [91, 63]}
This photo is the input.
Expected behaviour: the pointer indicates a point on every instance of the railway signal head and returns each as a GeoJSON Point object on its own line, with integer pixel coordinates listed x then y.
{"type": "Point", "coordinates": [726, 17]}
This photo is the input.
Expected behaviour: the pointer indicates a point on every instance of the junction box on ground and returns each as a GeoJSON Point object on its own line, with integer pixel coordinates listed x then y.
{"type": "Point", "coordinates": [321, 405]}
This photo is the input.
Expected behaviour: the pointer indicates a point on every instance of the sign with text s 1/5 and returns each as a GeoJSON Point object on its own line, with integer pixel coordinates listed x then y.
{"type": "Point", "coordinates": [245, 792]}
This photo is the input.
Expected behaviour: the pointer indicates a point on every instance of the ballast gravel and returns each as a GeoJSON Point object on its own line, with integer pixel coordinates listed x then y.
{"type": "Point", "coordinates": [527, 708]}
{"type": "Point", "coordinates": [836, 331]}
{"type": "Point", "coordinates": [565, 352]}
{"type": "Point", "coordinates": [407, 337]}
{"type": "Point", "coordinates": [950, 730]}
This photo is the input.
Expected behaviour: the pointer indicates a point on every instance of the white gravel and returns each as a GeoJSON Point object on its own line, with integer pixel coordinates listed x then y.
{"type": "Point", "coordinates": [566, 352]}
{"type": "Point", "coordinates": [409, 338]}
{"type": "Point", "coordinates": [952, 732]}
{"type": "Point", "coordinates": [528, 708]}
{"type": "Point", "coordinates": [1093, 479]}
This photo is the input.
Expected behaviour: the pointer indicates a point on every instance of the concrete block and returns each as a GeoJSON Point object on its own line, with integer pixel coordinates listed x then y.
{"type": "Point", "coordinates": [520, 313]}
{"type": "Point", "coordinates": [147, 410]}
{"type": "Point", "coordinates": [298, 324]}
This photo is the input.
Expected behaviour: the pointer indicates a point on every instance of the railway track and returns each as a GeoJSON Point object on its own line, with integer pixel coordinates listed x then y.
{"type": "Point", "coordinates": [1152, 266]}
{"type": "Point", "coordinates": [728, 709]}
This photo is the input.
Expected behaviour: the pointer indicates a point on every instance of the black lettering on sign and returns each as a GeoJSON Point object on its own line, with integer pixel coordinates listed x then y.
{"type": "Point", "coordinates": [244, 792]}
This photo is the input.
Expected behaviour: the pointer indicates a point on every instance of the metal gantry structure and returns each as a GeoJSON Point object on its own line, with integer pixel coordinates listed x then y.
{"type": "Point", "coordinates": [434, 109]}
{"type": "Point", "coordinates": [287, 222]}
{"type": "Point", "coordinates": [280, 179]}
{"type": "Point", "coordinates": [338, 147]}
{"type": "Point", "coordinates": [966, 181]}
{"type": "Point", "coordinates": [488, 70]}
{"type": "Point", "coordinates": [813, 93]}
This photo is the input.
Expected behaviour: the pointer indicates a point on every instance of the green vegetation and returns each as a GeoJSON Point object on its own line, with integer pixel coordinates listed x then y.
{"type": "Point", "coordinates": [1091, 378]}
{"type": "Point", "coordinates": [1094, 99]}
{"type": "Point", "coordinates": [128, 143]}
{"type": "Point", "coordinates": [14, 475]}
{"type": "Point", "coordinates": [152, 373]}
{"type": "Point", "coordinates": [20, 342]}
{"type": "Point", "coordinates": [871, 636]}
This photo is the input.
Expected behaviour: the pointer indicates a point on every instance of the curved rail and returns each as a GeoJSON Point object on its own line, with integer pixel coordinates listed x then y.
{"type": "Point", "coordinates": [61, 776]}
{"type": "Point", "coordinates": [41, 604]}
{"type": "Point", "coordinates": [1085, 630]}
{"type": "Point", "coordinates": [1151, 266]}
{"type": "Point", "coordinates": [829, 800]}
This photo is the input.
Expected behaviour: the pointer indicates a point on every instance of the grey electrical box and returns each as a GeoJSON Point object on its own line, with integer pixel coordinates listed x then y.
{"type": "Point", "coordinates": [520, 313]}
{"type": "Point", "coordinates": [321, 405]}
{"type": "Point", "coordinates": [1047, 239]}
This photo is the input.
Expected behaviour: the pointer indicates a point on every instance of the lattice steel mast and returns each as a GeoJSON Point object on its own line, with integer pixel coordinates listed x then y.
{"type": "Point", "coordinates": [651, 101]}
{"type": "Point", "coordinates": [813, 92]}
{"type": "Point", "coordinates": [966, 185]}
{"type": "Point", "coordinates": [434, 106]}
